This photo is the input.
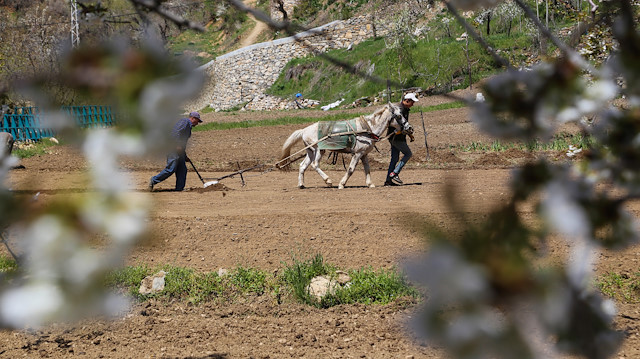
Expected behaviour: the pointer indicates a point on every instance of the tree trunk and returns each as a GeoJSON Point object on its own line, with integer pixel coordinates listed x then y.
{"type": "Point", "coordinates": [547, 15]}
{"type": "Point", "coordinates": [285, 16]}
{"type": "Point", "coordinates": [466, 52]}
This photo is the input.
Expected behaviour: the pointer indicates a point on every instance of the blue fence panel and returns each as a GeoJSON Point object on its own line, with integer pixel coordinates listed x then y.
{"type": "Point", "coordinates": [26, 122]}
{"type": "Point", "coordinates": [38, 126]}
{"type": "Point", "coordinates": [91, 116]}
{"type": "Point", "coordinates": [107, 116]}
{"type": "Point", "coordinates": [25, 127]}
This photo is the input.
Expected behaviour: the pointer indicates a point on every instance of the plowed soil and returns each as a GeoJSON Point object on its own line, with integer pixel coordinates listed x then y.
{"type": "Point", "coordinates": [267, 222]}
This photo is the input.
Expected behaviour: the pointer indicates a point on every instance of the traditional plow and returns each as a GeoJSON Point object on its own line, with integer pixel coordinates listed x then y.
{"type": "Point", "coordinates": [233, 174]}
{"type": "Point", "coordinates": [357, 136]}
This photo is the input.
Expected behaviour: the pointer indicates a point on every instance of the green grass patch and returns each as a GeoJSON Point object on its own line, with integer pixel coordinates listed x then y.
{"type": "Point", "coordinates": [298, 275]}
{"type": "Point", "coordinates": [560, 142]}
{"type": "Point", "coordinates": [206, 286]}
{"type": "Point", "coordinates": [367, 286]}
{"type": "Point", "coordinates": [180, 282]}
{"type": "Point", "coordinates": [294, 120]}
{"type": "Point", "coordinates": [195, 42]}
{"type": "Point", "coordinates": [128, 278]}
{"type": "Point", "coordinates": [428, 63]}
{"type": "Point", "coordinates": [440, 107]}
{"type": "Point", "coordinates": [7, 264]}
{"type": "Point", "coordinates": [249, 280]}
{"type": "Point", "coordinates": [620, 287]}
{"type": "Point", "coordinates": [30, 149]}
{"type": "Point", "coordinates": [187, 284]}
{"type": "Point", "coordinates": [206, 109]}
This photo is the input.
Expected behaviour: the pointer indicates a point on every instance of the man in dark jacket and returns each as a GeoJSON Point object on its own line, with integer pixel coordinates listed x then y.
{"type": "Point", "coordinates": [399, 145]}
{"type": "Point", "coordinates": [176, 159]}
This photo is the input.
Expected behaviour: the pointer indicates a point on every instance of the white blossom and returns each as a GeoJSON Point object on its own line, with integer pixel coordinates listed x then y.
{"type": "Point", "coordinates": [30, 305]}
{"type": "Point", "coordinates": [563, 213]}
{"type": "Point", "coordinates": [573, 150]}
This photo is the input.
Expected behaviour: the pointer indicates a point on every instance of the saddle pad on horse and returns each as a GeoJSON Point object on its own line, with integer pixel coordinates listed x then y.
{"type": "Point", "coordinates": [340, 142]}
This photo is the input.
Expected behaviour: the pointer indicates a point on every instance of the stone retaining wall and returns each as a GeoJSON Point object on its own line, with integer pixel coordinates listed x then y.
{"type": "Point", "coordinates": [264, 102]}
{"type": "Point", "coordinates": [240, 76]}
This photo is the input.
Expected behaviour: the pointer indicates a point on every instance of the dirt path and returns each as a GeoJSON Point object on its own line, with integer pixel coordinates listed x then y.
{"type": "Point", "coordinates": [257, 29]}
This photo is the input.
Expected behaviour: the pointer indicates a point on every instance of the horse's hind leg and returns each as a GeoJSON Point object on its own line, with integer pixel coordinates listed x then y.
{"type": "Point", "coordinates": [367, 171]}
{"type": "Point", "coordinates": [352, 167]}
{"type": "Point", "coordinates": [303, 167]}
{"type": "Point", "coordinates": [315, 165]}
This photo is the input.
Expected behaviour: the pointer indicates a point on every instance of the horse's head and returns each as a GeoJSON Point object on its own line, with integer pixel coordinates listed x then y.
{"type": "Point", "coordinates": [398, 121]}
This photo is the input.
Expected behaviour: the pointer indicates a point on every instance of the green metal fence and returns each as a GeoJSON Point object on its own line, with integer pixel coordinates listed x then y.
{"type": "Point", "coordinates": [25, 127]}
{"type": "Point", "coordinates": [27, 123]}
{"type": "Point", "coordinates": [91, 116]}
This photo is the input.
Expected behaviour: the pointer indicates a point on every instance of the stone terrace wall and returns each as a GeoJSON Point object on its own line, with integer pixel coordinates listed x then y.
{"type": "Point", "coordinates": [242, 75]}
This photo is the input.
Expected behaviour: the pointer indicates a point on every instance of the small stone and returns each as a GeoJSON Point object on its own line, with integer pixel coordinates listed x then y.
{"type": "Point", "coordinates": [321, 286]}
{"type": "Point", "coordinates": [342, 277]}
{"type": "Point", "coordinates": [152, 284]}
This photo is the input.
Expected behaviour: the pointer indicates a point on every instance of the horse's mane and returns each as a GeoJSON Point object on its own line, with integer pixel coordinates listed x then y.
{"type": "Point", "coordinates": [379, 111]}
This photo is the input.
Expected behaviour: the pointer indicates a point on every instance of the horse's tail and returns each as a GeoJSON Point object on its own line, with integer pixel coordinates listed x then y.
{"type": "Point", "coordinates": [295, 137]}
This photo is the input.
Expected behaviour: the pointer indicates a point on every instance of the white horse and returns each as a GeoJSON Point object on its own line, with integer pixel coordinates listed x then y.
{"type": "Point", "coordinates": [357, 136]}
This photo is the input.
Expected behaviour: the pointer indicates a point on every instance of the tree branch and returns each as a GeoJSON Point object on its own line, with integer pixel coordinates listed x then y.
{"type": "Point", "coordinates": [572, 55]}
{"type": "Point", "coordinates": [470, 30]}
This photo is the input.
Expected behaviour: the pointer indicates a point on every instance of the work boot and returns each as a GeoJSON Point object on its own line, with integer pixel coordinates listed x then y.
{"type": "Point", "coordinates": [151, 184]}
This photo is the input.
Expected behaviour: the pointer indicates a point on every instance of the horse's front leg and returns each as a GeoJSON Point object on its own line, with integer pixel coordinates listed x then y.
{"type": "Point", "coordinates": [352, 166]}
{"type": "Point", "coordinates": [367, 171]}
{"type": "Point", "coordinates": [316, 166]}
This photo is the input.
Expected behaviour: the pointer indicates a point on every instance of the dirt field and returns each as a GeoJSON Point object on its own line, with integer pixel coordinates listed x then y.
{"type": "Point", "coordinates": [270, 220]}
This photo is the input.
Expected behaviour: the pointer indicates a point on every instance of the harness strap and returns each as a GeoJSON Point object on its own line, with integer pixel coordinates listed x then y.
{"type": "Point", "coordinates": [364, 124]}
{"type": "Point", "coordinates": [368, 132]}
{"type": "Point", "coordinates": [350, 127]}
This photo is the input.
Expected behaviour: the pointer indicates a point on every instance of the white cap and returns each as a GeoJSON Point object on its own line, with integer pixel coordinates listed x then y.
{"type": "Point", "coordinates": [411, 96]}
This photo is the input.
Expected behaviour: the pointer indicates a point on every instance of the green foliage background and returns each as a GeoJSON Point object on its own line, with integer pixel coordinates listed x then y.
{"type": "Point", "coordinates": [428, 64]}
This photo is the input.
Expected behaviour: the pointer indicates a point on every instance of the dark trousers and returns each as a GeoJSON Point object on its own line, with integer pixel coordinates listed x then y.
{"type": "Point", "coordinates": [176, 163]}
{"type": "Point", "coordinates": [395, 166]}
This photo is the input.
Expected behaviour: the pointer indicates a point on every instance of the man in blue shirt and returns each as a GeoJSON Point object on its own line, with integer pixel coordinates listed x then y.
{"type": "Point", "coordinates": [176, 160]}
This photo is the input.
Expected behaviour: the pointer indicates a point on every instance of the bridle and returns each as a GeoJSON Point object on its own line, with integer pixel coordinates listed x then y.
{"type": "Point", "coordinates": [402, 121]}
{"type": "Point", "coordinates": [394, 116]}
